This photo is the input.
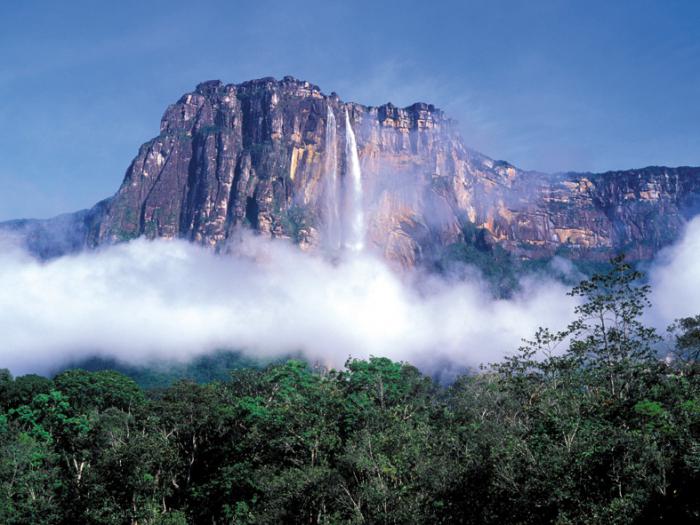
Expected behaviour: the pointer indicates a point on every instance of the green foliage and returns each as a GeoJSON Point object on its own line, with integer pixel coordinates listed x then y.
{"type": "Point", "coordinates": [99, 390]}
{"type": "Point", "coordinates": [204, 369]}
{"type": "Point", "coordinates": [500, 269]}
{"type": "Point", "coordinates": [686, 338]}
{"type": "Point", "coordinates": [294, 220]}
{"type": "Point", "coordinates": [22, 390]}
{"type": "Point", "coordinates": [586, 425]}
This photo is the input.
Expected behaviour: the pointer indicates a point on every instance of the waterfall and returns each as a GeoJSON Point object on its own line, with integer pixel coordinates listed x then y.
{"type": "Point", "coordinates": [354, 224]}
{"type": "Point", "coordinates": [331, 198]}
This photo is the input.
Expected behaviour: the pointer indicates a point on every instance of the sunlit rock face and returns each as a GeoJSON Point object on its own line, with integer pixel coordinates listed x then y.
{"type": "Point", "coordinates": [595, 215]}
{"type": "Point", "coordinates": [254, 156]}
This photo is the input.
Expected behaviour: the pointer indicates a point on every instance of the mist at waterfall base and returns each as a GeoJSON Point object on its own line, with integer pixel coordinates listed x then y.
{"type": "Point", "coordinates": [147, 301]}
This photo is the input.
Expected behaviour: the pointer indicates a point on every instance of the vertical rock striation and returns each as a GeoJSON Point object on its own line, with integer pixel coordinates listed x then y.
{"type": "Point", "coordinates": [265, 154]}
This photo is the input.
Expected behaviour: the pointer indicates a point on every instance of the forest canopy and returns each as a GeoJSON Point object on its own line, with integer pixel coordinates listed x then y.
{"type": "Point", "coordinates": [598, 423]}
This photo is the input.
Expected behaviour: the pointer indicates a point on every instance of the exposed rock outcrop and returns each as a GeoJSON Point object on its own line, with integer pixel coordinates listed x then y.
{"type": "Point", "coordinates": [251, 155]}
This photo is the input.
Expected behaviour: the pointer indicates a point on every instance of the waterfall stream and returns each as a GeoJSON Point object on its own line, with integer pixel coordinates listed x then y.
{"type": "Point", "coordinates": [354, 224]}
{"type": "Point", "coordinates": [343, 206]}
{"type": "Point", "coordinates": [331, 199]}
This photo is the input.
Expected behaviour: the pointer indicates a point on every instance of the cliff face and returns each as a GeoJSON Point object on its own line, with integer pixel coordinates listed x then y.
{"type": "Point", "coordinates": [253, 155]}
{"type": "Point", "coordinates": [593, 216]}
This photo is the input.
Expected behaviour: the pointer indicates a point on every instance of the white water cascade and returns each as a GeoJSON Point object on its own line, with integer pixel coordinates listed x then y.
{"type": "Point", "coordinates": [354, 223]}
{"type": "Point", "coordinates": [331, 194]}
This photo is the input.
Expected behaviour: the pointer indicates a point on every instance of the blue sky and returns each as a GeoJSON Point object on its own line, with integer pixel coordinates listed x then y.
{"type": "Point", "coordinates": [546, 85]}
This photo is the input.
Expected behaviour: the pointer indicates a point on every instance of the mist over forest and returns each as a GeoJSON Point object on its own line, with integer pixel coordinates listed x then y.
{"type": "Point", "coordinates": [147, 302]}
{"type": "Point", "coordinates": [349, 263]}
{"type": "Point", "coordinates": [586, 424]}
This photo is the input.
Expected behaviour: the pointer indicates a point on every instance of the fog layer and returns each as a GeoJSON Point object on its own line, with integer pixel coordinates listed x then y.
{"type": "Point", "coordinates": [148, 301]}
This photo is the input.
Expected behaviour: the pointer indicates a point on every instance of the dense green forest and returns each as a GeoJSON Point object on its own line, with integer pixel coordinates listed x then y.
{"type": "Point", "coordinates": [587, 425]}
{"type": "Point", "coordinates": [216, 366]}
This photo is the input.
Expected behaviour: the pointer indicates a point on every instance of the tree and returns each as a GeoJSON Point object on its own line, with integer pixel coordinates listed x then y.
{"type": "Point", "coordinates": [99, 390]}
{"type": "Point", "coordinates": [686, 338]}
{"type": "Point", "coordinates": [609, 337]}
{"type": "Point", "coordinates": [21, 390]}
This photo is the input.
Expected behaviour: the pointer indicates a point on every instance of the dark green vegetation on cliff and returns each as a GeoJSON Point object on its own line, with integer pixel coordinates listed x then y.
{"type": "Point", "coordinates": [600, 431]}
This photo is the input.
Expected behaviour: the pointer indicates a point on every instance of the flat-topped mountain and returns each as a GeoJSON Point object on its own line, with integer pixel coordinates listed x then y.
{"type": "Point", "coordinates": [259, 155]}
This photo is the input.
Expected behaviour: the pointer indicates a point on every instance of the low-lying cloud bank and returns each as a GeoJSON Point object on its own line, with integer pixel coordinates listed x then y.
{"type": "Point", "coordinates": [165, 300]}
{"type": "Point", "coordinates": [675, 279]}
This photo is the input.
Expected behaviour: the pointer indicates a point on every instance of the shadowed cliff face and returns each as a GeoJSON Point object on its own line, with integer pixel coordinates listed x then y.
{"type": "Point", "coordinates": [252, 155]}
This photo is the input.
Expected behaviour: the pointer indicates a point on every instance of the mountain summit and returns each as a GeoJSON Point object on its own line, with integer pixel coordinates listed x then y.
{"type": "Point", "coordinates": [256, 155]}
